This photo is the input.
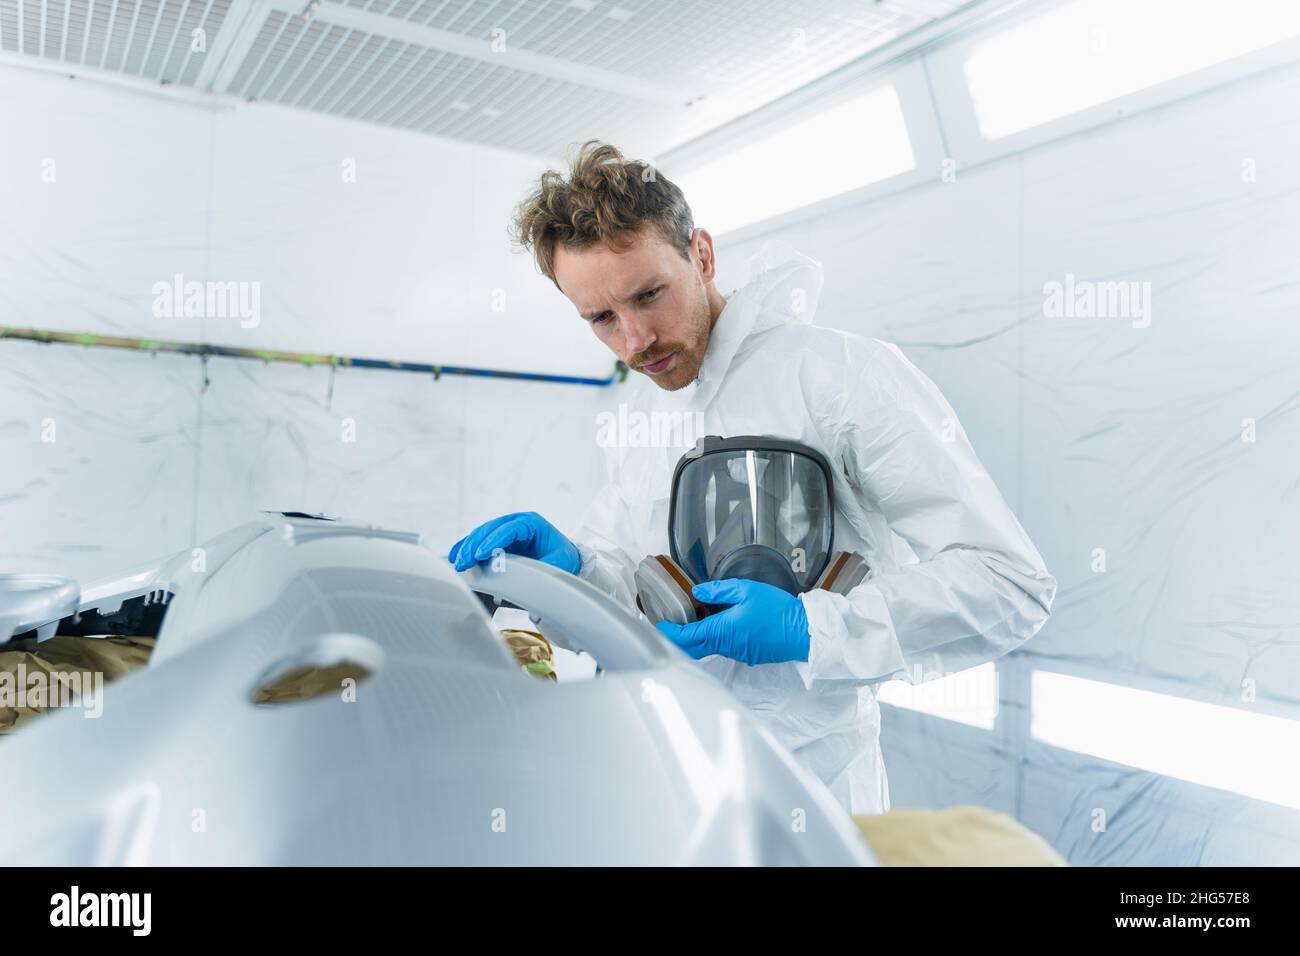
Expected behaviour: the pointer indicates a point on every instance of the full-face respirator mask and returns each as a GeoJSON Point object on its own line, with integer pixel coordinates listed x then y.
{"type": "Point", "coordinates": [748, 507]}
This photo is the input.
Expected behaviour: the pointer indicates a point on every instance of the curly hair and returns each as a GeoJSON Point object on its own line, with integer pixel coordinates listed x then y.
{"type": "Point", "coordinates": [606, 199]}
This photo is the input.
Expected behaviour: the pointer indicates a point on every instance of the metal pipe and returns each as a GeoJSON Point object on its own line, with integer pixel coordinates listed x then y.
{"type": "Point", "coordinates": [91, 339]}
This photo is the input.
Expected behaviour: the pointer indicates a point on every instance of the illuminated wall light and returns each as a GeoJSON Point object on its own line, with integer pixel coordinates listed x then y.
{"type": "Point", "coordinates": [1229, 748]}
{"type": "Point", "coordinates": [1091, 51]}
{"type": "Point", "coordinates": [858, 142]}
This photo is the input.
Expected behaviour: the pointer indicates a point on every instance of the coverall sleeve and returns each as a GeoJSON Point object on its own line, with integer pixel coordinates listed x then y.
{"type": "Point", "coordinates": [979, 588]}
{"type": "Point", "coordinates": [604, 561]}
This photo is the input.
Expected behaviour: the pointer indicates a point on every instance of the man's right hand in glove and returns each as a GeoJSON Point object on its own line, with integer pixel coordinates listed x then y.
{"type": "Point", "coordinates": [524, 533]}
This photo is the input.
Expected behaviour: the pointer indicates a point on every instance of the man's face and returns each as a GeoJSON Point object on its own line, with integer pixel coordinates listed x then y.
{"type": "Point", "coordinates": [651, 307]}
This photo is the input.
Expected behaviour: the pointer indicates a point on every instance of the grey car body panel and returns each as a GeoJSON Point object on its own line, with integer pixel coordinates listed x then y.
{"type": "Point", "coordinates": [449, 754]}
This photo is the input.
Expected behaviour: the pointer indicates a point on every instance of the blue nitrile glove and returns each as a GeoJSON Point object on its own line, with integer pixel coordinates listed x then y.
{"type": "Point", "coordinates": [764, 625]}
{"type": "Point", "coordinates": [526, 533]}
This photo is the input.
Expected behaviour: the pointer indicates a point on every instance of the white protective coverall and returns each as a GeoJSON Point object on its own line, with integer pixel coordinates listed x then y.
{"type": "Point", "coordinates": [955, 580]}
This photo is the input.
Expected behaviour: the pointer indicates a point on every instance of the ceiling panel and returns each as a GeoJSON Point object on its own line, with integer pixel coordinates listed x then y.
{"type": "Point", "coordinates": [150, 39]}
{"type": "Point", "coordinates": [529, 75]}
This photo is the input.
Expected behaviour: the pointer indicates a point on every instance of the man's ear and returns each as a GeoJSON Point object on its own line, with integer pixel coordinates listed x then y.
{"type": "Point", "coordinates": [702, 246]}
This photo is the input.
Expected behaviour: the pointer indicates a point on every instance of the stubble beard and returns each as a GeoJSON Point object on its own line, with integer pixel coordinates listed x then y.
{"type": "Point", "coordinates": [691, 354]}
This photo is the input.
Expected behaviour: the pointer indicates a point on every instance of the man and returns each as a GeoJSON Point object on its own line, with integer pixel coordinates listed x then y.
{"type": "Point", "coordinates": [954, 580]}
